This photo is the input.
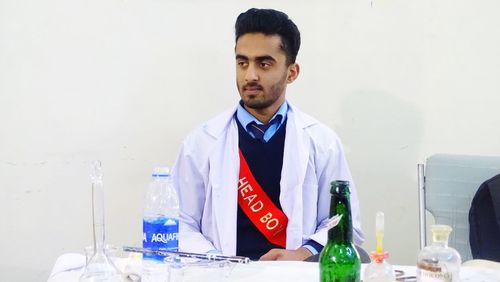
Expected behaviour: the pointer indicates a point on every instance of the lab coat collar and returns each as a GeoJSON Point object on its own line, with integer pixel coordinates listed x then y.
{"type": "Point", "coordinates": [216, 126]}
{"type": "Point", "coordinates": [224, 180]}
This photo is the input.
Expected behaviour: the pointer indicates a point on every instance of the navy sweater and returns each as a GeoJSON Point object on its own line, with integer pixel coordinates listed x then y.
{"type": "Point", "coordinates": [265, 161]}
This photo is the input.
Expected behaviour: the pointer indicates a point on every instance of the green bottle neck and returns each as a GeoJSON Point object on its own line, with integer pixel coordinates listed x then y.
{"type": "Point", "coordinates": [342, 232]}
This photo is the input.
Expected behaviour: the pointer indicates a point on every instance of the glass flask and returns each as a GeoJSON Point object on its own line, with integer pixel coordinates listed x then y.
{"type": "Point", "coordinates": [438, 262]}
{"type": "Point", "coordinates": [379, 270]}
{"type": "Point", "coordinates": [100, 268]}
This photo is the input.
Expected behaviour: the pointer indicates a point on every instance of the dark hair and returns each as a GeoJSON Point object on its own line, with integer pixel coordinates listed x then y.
{"type": "Point", "coordinates": [271, 22]}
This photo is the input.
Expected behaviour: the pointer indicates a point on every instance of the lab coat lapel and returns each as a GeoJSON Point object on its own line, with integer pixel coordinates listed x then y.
{"type": "Point", "coordinates": [224, 185]}
{"type": "Point", "coordinates": [296, 154]}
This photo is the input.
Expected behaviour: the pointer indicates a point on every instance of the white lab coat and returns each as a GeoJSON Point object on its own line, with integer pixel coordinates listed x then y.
{"type": "Point", "coordinates": [206, 178]}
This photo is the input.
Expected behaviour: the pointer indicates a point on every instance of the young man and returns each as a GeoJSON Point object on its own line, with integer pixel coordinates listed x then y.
{"type": "Point", "coordinates": [255, 180]}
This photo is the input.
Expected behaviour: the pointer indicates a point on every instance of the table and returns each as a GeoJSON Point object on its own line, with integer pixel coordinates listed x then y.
{"type": "Point", "coordinates": [69, 267]}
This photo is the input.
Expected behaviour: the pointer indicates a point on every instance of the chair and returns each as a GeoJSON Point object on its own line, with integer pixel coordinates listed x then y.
{"type": "Point", "coordinates": [446, 189]}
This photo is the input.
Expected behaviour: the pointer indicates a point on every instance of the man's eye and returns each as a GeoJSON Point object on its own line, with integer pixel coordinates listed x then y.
{"type": "Point", "coordinates": [241, 63]}
{"type": "Point", "coordinates": [265, 65]}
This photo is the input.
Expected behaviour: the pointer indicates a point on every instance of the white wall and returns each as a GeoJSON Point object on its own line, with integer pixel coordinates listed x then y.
{"type": "Point", "coordinates": [125, 81]}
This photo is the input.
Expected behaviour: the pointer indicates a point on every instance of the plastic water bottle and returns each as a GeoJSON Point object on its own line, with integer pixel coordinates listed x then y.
{"type": "Point", "coordinates": [160, 224]}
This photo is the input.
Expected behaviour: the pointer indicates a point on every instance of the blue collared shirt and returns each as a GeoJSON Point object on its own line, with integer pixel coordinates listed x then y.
{"type": "Point", "coordinates": [245, 118]}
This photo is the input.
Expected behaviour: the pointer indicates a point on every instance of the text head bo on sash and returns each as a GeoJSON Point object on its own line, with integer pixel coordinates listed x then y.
{"type": "Point", "coordinates": [259, 208]}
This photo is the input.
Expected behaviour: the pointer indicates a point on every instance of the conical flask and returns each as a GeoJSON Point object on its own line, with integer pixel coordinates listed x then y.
{"type": "Point", "coordinates": [100, 268]}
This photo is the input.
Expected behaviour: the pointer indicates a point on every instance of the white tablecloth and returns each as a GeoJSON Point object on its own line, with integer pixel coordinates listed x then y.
{"type": "Point", "coordinates": [69, 267]}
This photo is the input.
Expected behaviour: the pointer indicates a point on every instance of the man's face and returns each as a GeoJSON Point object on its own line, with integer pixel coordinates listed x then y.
{"type": "Point", "coordinates": [261, 70]}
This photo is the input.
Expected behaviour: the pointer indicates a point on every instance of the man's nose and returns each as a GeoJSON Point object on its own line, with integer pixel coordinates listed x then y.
{"type": "Point", "coordinates": [251, 73]}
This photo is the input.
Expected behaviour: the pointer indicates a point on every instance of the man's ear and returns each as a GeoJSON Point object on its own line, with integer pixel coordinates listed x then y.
{"type": "Point", "coordinates": [293, 72]}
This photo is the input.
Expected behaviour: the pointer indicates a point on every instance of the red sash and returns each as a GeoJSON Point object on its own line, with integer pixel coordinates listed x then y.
{"type": "Point", "coordinates": [255, 203]}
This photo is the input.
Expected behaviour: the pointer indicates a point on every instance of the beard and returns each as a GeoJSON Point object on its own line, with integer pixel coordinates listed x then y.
{"type": "Point", "coordinates": [263, 100]}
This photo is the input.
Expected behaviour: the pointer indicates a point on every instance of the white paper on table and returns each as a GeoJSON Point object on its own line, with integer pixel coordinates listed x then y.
{"type": "Point", "coordinates": [68, 262]}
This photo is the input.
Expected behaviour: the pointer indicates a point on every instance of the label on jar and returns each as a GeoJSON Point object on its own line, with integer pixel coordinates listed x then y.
{"type": "Point", "coordinates": [434, 276]}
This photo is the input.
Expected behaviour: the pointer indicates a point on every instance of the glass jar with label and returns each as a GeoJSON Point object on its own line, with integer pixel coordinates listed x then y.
{"type": "Point", "coordinates": [439, 262]}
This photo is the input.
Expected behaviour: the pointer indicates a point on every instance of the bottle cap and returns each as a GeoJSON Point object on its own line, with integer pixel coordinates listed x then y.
{"type": "Point", "coordinates": [161, 172]}
{"type": "Point", "coordinates": [440, 233]}
{"type": "Point", "coordinates": [96, 171]}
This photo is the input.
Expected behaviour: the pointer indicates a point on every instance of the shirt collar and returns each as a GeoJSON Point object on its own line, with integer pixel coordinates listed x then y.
{"type": "Point", "coordinates": [245, 118]}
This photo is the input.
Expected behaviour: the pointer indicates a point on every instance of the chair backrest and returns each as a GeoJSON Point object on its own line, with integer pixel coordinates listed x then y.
{"type": "Point", "coordinates": [450, 184]}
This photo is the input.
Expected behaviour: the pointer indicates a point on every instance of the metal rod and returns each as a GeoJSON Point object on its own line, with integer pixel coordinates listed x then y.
{"type": "Point", "coordinates": [421, 205]}
{"type": "Point", "coordinates": [215, 257]}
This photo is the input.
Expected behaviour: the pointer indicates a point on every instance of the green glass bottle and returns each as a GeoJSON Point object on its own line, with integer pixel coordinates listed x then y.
{"type": "Point", "coordinates": [339, 261]}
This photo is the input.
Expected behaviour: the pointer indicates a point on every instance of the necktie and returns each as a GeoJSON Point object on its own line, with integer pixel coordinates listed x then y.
{"type": "Point", "coordinates": [258, 130]}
